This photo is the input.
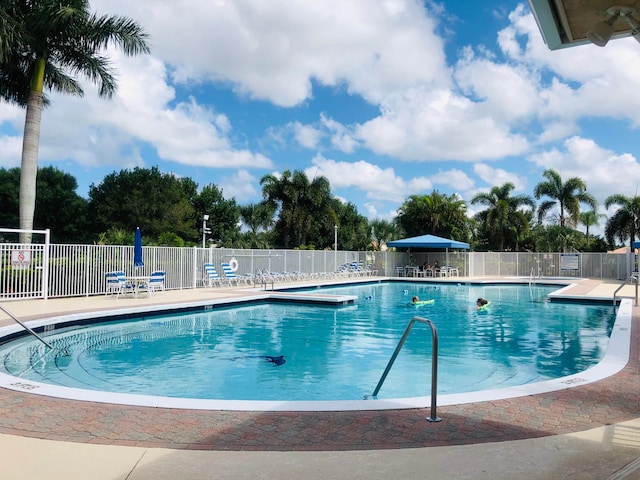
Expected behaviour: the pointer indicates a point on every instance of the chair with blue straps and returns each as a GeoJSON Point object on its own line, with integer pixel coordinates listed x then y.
{"type": "Point", "coordinates": [229, 275]}
{"type": "Point", "coordinates": [156, 282]}
{"type": "Point", "coordinates": [117, 283]}
{"type": "Point", "coordinates": [211, 275]}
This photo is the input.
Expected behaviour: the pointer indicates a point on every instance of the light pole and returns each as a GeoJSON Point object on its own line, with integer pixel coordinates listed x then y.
{"type": "Point", "coordinates": [205, 230]}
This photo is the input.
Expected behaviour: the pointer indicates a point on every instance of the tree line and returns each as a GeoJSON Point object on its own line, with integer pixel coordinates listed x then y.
{"type": "Point", "coordinates": [296, 212]}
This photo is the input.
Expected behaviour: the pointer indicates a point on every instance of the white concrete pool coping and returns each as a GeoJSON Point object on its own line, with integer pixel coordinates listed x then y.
{"type": "Point", "coordinates": [614, 360]}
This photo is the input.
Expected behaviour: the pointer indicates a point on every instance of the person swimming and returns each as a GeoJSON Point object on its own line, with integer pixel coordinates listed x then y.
{"type": "Point", "coordinates": [416, 302]}
{"type": "Point", "coordinates": [482, 303]}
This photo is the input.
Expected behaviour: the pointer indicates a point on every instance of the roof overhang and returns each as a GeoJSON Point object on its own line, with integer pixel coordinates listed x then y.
{"type": "Point", "coordinates": [565, 23]}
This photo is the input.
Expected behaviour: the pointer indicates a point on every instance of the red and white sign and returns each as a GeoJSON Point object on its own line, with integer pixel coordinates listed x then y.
{"type": "Point", "coordinates": [20, 259]}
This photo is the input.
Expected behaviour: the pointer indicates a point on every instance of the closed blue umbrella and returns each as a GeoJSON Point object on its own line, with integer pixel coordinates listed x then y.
{"type": "Point", "coordinates": [137, 250]}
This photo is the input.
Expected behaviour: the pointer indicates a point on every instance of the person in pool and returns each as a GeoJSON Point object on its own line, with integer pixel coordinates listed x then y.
{"type": "Point", "coordinates": [482, 302]}
{"type": "Point", "coordinates": [415, 299]}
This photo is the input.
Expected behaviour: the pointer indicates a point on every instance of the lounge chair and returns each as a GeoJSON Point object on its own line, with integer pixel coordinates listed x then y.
{"type": "Point", "coordinates": [229, 275]}
{"type": "Point", "coordinates": [211, 275]}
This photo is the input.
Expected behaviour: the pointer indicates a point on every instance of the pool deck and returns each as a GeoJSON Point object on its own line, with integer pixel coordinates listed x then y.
{"type": "Point", "coordinates": [584, 432]}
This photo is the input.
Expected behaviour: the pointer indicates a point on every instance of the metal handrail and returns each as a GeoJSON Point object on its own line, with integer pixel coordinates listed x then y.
{"type": "Point", "coordinates": [434, 363]}
{"type": "Point", "coordinates": [265, 278]}
{"type": "Point", "coordinates": [634, 277]}
{"type": "Point", "coordinates": [25, 327]}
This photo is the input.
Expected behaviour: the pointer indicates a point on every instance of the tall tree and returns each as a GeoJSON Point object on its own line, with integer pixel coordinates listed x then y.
{"type": "Point", "coordinates": [566, 195]}
{"type": "Point", "coordinates": [224, 215]}
{"type": "Point", "coordinates": [42, 47]}
{"type": "Point", "coordinates": [504, 221]}
{"type": "Point", "coordinates": [304, 207]}
{"type": "Point", "coordinates": [55, 189]}
{"type": "Point", "coordinates": [147, 198]}
{"type": "Point", "coordinates": [353, 229]}
{"type": "Point", "coordinates": [589, 219]}
{"type": "Point", "coordinates": [436, 214]}
{"type": "Point", "coordinates": [9, 197]}
{"type": "Point", "coordinates": [383, 231]}
{"type": "Point", "coordinates": [624, 224]}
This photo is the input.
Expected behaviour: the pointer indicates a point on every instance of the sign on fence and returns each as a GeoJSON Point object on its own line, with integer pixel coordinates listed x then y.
{"type": "Point", "coordinates": [20, 259]}
{"type": "Point", "coordinates": [570, 261]}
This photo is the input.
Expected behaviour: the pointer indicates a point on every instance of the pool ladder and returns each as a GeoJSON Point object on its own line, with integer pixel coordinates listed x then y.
{"type": "Point", "coordinates": [434, 363]}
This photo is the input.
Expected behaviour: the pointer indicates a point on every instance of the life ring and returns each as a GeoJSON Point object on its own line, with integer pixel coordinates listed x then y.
{"type": "Point", "coordinates": [233, 263]}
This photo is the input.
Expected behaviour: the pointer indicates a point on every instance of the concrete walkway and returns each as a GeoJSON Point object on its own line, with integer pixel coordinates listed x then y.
{"type": "Point", "coordinates": [59, 439]}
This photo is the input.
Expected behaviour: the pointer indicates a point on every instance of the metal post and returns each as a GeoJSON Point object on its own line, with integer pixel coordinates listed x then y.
{"type": "Point", "coordinates": [204, 230]}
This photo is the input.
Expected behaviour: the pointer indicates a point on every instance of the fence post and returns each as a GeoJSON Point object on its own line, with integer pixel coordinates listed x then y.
{"type": "Point", "coordinates": [45, 264]}
{"type": "Point", "coordinates": [195, 266]}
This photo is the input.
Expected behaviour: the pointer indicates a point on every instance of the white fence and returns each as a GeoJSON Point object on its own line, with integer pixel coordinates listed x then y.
{"type": "Point", "coordinates": [79, 270]}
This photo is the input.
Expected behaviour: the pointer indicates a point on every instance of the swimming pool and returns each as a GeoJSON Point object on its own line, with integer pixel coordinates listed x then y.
{"type": "Point", "coordinates": [331, 353]}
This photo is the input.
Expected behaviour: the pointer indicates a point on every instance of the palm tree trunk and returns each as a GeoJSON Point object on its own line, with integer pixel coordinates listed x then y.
{"type": "Point", "coordinates": [29, 164]}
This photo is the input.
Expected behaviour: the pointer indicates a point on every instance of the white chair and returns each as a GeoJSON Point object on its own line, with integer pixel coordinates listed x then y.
{"type": "Point", "coordinates": [229, 275]}
{"type": "Point", "coordinates": [113, 284]}
{"type": "Point", "coordinates": [156, 282]}
{"type": "Point", "coordinates": [211, 275]}
{"type": "Point", "coordinates": [117, 283]}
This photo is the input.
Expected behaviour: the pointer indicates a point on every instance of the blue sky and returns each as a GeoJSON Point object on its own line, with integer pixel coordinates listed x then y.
{"type": "Point", "coordinates": [386, 98]}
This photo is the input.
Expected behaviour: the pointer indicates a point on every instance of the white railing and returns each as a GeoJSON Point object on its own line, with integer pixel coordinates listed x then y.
{"type": "Point", "coordinates": [79, 270]}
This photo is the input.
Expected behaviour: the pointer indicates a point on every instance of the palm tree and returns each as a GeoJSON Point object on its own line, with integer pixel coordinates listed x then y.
{"type": "Point", "coordinates": [47, 42]}
{"type": "Point", "coordinates": [504, 219]}
{"type": "Point", "coordinates": [304, 207]}
{"type": "Point", "coordinates": [383, 231]}
{"type": "Point", "coordinates": [625, 222]}
{"type": "Point", "coordinates": [568, 196]}
{"type": "Point", "coordinates": [590, 219]}
{"type": "Point", "coordinates": [257, 216]}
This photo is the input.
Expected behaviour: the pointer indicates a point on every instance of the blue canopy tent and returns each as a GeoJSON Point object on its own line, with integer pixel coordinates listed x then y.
{"type": "Point", "coordinates": [427, 242]}
{"type": "Point", "coordinates": [137, 250]}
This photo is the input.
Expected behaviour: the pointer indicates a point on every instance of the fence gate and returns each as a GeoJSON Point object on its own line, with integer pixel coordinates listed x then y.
{"type": "Point", "coordinates": [24, 271]}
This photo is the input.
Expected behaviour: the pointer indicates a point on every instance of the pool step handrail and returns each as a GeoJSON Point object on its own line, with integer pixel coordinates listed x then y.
{"type": "Point", "coordinates": [633, 278]}
{"type": "Point", "coordinates": [264, 277]}
{"type": "Point", "coordinates": [434, 363]}
{"type": "Point", "coordinates": [4, 309]}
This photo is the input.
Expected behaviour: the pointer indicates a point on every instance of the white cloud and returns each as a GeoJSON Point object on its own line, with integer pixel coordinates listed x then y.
{"type": "Point", "coordinates": [342, 137]}
{"type": "Point", "coordinates": [306, 135]}
{"type": "Point", "coordinates": [272, 50]}
{"type": "Point", "coordinates": [143, 113]}
{"type": "Point", "coordinates": [10, 151]}
{"type": "Point", "coordinates": [435, 125]}
{"type": "Point", "coordinates": [604, 171]}
{"type": "Point", "coordinates": [379, 183]}
{"type": "Point", "coordinates": [498, 176]}
{"type": "Point", "coordinates": [241, 185]}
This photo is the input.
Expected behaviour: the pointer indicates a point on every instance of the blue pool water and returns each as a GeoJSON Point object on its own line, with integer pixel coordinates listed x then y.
{"type": "Point", "coordinates": [331, 353]}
